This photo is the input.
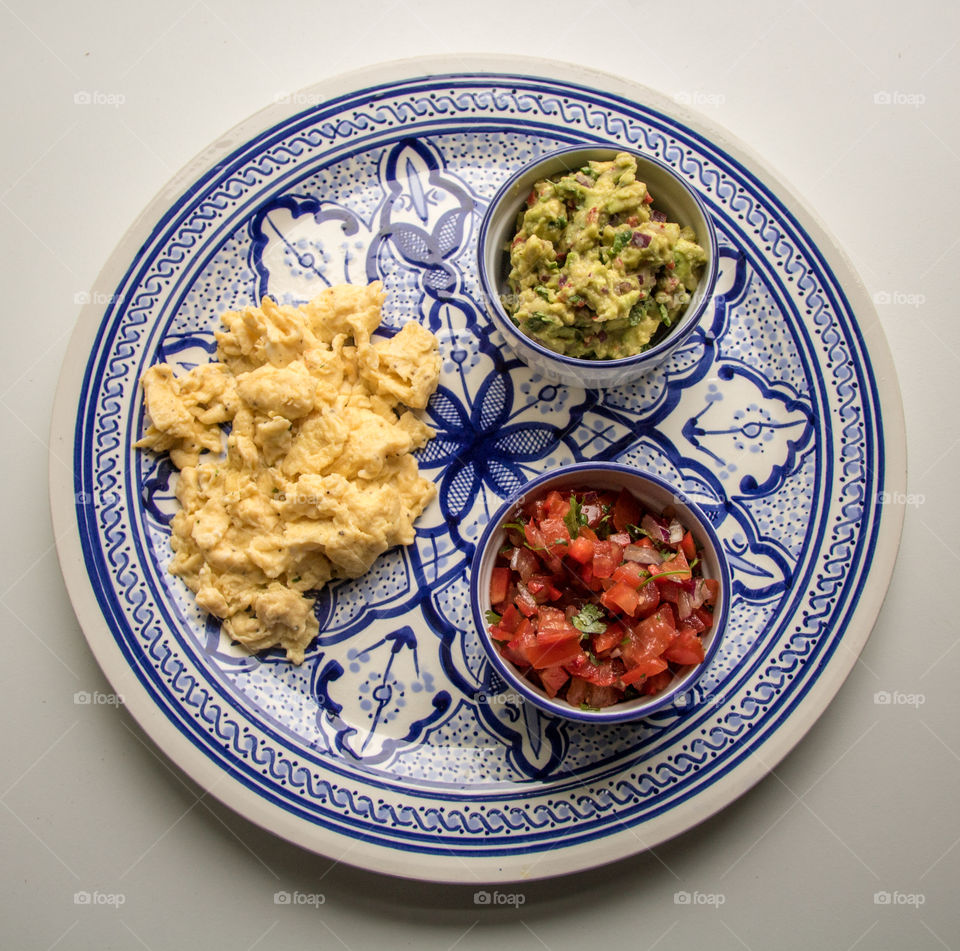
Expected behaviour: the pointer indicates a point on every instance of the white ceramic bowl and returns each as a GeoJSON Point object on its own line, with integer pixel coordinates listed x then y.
{"type": "Point", "coordinates": [656, 495]}
{"type": "Point", "coordinates": [672, 195]}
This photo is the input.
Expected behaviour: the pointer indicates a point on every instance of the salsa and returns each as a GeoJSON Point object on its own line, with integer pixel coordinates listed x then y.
{"type": "Point", "coordinates": [596, 599]}
{"type": "Point", "coordinates": [595, 270]}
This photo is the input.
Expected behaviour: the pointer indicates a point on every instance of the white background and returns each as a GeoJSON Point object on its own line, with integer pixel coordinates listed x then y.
{"type": "Point", "coordinates": [865, 804]}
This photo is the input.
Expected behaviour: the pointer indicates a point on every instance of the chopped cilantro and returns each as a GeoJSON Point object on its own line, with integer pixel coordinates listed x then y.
{"type": "Point", "coordinates": [589, 620]}
{"type": "Point", "coordinates": [664, 316]}
{"type": "Point", "coordinates": [492, 616]}
{"type": "Point", "coordinates": [515, 525]}
{"type": "Point", "coordinates": [593, 658]}
{"type": "Point", "coordinates": [586, 706]}
{"type": "Point", "coordinates": [621, 241]}
{"type": "Point", "coordinates": [538, 320]}
{"type": "Point", "coordinates": [574, 517]}
{"type": "Point", "coordinates": [542, 291]}
{"type": "Point", "coordinates": [637, 313]}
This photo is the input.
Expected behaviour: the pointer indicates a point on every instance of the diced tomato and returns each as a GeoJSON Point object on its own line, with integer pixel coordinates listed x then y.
{"type": "Point", "coordinates": [694, 623]}
{"type": "Point", "coordinates": [626, 511]}
{"type": "Point", "coordinates": [553, 678]}
{"type": "Point", "coordinates": [511, 618]}
{"type": "Point", "coordinates": [608, 639]}
{"type": "Point", "coordinates": [686, 648]}
{"type": "Point", "coordinates": [553, 619]}
{"type": "Point", "coordinates": [499, 585]}
{"type": "Point", "coordinates": [534, 537]}
{"type": "Point", "coordinates": [621, 597]}
{"type": "Point", "coordinates": [525, 638]}
{"type": "Point", "coordinates": [581, 549]}
{"type": "Point", "coordinates": [705, 618]}
{"type": "Point", "coordinates": [649, 599]}
{"type": "Point", "coordinates": [551, 650]}
{"type": "Point", "coordinates": [630, 573]}
{"type": "Point", "coordinates": [673, 569]}
{"type": "Point", "coordinates": [647, 667]}
{"type": "Point", "coordinates": [602, 696]}
{"type": "Point", "coordinates": [556, 535]}
{"type": "Point", "coordinates": [499, 634]}
{"type": "Point", "coordinates": [651, 637]}
{"type": "Point", "coordinates": [656, 683]}
{"type": "Point", "coordinates": [557, 506]}
{"type": "Point", "coordinates": [577, 691]}
{"type": "Point", "coordinates": [606, 558]}
{"type": "Point", "coordinates": [688, 546]}
{"type": "Point", "coordinates": [669, 590]}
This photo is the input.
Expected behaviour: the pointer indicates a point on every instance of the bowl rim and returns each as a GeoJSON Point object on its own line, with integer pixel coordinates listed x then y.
{"type": "Point", "coordinates": [616, 713]}
{"type": "Point", "coordinates": [688, 320]}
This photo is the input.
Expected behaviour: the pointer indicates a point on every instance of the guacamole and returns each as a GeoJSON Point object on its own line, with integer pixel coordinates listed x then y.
{"type": "Point", "coordinates": [595, 271]}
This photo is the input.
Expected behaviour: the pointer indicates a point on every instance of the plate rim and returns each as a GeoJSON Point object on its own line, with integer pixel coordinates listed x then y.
{"type": "Point", "coordinates": [424, 866]}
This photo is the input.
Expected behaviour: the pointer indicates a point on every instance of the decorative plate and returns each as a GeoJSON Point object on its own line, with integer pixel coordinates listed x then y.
{"type": "Point", "coordinates": [390, 747]}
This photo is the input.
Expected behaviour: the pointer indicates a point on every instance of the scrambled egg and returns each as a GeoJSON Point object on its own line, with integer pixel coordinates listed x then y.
{"type": "Point", "coordinates": [316, 479]}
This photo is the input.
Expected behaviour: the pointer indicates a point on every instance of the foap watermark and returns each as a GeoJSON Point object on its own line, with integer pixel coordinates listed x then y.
{"type": "Point", "coordinates": [914, 899]}
{"type": "Point", "coordinates": [82, 298]}
{"type": "Point", "coordinates": [698, 698]}
{"type": "Point", "coordinates": [699, 97]}
{"type": "Point", "coordinates": [898, 698]}
{"type": "Point", "coordinates": [711, 899]}
{"type": "Point", "coordinates": [484, 897]}
{"type": "Point", "coordinates": [94, 97]}
{"type": "Point", "coordinates": [495, 699]}
{"type": "Point", "coordinates": [886, 97]}
{"type": "Point", "coordinates": [97, 698]}
{"type": "Point", "coordinates": [315, 899]}
{"type": "Point", "coordinates": [913, 499]}
{"type": "Point", "coordinates": [899, 299]}
{"type": "Point", "coordinates": [109, 899]}
{"type": "Point", "coordinates": [300, 98]}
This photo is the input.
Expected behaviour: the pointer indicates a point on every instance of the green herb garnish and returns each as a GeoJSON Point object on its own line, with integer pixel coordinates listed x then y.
{"type": "Point", "coordinates": [492, 616]}
{"type": "Point", "coordinates": [574, 517]}
{"type": "Point", "coordinates": [542, 291]}
{"type": "Point", "coordinates": [621, 240]}
{"type": "Point", "coordinates": [589, 620]}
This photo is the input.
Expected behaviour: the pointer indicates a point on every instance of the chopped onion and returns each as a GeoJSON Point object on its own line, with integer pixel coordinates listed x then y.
{"type": "Point", "coordinates": [675, 532]}
{"type": "Point", "coordinates": [658, 216]}
{"type": "Point", "coordinates": [654, 529]}
{"type": "Point", "coordinates": [642, 555]}
{"type": "Point", "coordinates": [523, 562]}
{"type": "Point", "coordinates": [639, 240]}
{"type": "Point", "coordinates": [684, 607]}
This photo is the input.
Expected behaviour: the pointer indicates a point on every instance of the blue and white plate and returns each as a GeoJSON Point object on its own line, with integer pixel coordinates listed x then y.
{"type": "Point", "coordinates": [391, 747]}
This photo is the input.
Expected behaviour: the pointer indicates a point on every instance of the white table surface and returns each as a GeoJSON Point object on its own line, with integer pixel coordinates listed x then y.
{"type": "Point", "coordinates": [866, 803]}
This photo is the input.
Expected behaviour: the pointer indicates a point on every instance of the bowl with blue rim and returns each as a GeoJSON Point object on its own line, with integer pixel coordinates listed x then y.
{"type": "Point", "coordinates": [596, 263]}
